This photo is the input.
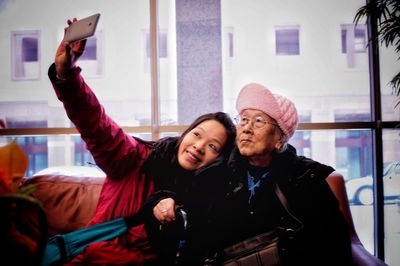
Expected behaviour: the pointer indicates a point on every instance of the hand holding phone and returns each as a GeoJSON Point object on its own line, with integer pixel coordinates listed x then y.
{"type": "Point", "coordinates": [82, 29]}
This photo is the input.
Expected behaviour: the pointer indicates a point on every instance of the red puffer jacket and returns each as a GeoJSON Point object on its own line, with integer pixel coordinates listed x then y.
{"type": "Point", "coordinates": [121, 157]}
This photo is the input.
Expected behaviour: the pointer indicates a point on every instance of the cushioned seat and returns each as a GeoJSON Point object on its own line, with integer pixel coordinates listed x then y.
{"type": "Point", "coordinates": [69, 201]}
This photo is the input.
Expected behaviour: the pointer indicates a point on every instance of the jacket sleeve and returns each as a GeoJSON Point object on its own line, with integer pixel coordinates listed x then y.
{"type": "Point", "coordinates": [114, 151]}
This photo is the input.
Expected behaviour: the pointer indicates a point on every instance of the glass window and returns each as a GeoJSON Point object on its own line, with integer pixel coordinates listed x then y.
{"type": "Point", "coordinates": [302, 138]}
{"type": "Point", "coordinates": [389, 68]}
{"type": "Point", "coordinates": [352, 144]}
{"type": "Point", "coordinates": [208, 50]}
{"type": "Point", "coordinates": [124, 89]}
{"type": "Point", "coordinates": [162, 45]}
{"type": "Point", "coordinates": [354, 38]}
{"type": "Point", "coordinates": [287, 40]}
{"type": "Point", "coordinates": [81, 155]}
{"type": "Point", "coordinates": [25, 55]}
{"type": "Point", "coordinates": [391, 192]}
{"type": "Point", "coordinates": [228, 49]}
{"type": "Point", "coordinates": [35, 147]}
{"type": "Point", "coordinates": [90, 49]}
{"type": "Point", "coordinates": [230, 42]}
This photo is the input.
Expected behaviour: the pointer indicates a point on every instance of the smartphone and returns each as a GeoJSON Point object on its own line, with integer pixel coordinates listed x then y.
{"type": "Point", "coordinates": [82, 29]}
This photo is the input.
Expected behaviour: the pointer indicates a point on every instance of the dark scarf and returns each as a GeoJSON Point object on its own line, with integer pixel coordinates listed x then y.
{"type": "Point", "coordinates": [162, 164]}
{"type": "Point", "coordinates": [238, 166]}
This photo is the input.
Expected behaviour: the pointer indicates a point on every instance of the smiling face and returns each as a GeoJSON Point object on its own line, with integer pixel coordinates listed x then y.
{"type": "Point", "coordinates": [258, 144]}
{"type": "Point", "coordinates": [201, 145]}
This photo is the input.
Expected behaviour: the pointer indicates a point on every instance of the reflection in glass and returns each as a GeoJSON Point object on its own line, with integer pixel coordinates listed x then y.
{"type": "Point", "coordinates": [287, 40]}
{"type": "Point", "coordinates": [25, 55]}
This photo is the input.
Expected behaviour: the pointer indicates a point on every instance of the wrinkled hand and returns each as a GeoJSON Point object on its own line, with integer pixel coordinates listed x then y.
{"type": "Point", "coordinates": [164, 211]}
{"type": "Point", "coordinates": [67, 54]}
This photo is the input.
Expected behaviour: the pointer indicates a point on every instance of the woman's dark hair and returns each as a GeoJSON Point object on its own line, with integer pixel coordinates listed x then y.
{"type": "Point", "coordinates": [163, 160]}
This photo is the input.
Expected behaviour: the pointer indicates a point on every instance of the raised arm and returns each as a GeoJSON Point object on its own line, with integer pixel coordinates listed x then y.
{"type": "Point", "coordinates": [114, 151]}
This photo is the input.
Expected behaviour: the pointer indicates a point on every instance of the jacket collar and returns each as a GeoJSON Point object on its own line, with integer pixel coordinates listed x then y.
{"type": "Point", "coordinates": [236, 160]}
{"type": "Point", "coordinates": [285, 166]}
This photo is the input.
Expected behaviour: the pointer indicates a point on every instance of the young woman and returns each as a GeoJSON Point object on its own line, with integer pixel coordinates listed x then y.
{"type": "Point", "coordinates": [134, 168]}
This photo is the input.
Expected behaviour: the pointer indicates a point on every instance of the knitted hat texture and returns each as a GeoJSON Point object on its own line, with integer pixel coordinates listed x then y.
{"type": "Point", "coordinates": [282, 110]}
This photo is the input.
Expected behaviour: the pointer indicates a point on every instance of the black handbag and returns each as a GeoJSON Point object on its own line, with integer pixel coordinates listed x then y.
{"type": "Point", "coordinates": [262, 249]}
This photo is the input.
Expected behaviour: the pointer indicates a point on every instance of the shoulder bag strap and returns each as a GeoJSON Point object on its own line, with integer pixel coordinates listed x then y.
{"type": "Point", "coordinates": [285, 205]}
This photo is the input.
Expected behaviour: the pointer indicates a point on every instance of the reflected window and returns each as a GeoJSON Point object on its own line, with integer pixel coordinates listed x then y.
{"type": "Point", "coordinates": [162, 44]}
{"type": "Point", "coordinates": [302, 139]}
{"type": "Point", "coordinates": [81, 155]}
{"type": "Point", "coordinates": [25, 55]}
{"type": "Point", "coordinates": [287, 40]}
{"type": "Point", "coordinates": [229, 39]}
{"type": "Point", "coordinates": [162, 47]}
{"type": "Point", "coordinates": [228, 48]}
{"type": "Point", "coordinates": [391, 182]}
{"type": "Point", "coordinates": [90, 49]}
{"type": "Point", "coordinates": [92, 59]}
{"type": "Point", "coordinates": [353, 148]}
{"type": "Point", "coordinates": [354, 38]}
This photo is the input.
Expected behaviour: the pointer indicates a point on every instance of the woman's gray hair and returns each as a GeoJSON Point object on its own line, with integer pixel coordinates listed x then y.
{"type": "Point", "coordinates": [284, 140]}
{"type": "Point", "coordinates": [282, 148]}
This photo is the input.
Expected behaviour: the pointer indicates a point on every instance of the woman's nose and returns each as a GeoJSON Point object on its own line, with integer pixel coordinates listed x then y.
{"type": "Point", "coordinates": [199, 147]}
{"type": "Point", "coordinates": [247, 127]}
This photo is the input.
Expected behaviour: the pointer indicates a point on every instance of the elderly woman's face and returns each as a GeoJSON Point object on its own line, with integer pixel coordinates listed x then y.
{"type": "Point", "coordinates": [257, 136]}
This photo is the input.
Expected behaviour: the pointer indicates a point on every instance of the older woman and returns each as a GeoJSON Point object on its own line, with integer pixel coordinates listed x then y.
{"type": "Point", "coordinates": [248, 204]}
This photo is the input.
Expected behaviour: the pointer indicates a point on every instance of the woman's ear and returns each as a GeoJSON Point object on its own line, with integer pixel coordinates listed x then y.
{"type": "Point", "coordinates": [279, 144]}
{"type": "Point", "coordinates": [280, 140]}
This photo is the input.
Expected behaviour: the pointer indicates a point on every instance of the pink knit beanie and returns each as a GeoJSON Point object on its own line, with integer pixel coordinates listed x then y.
{"type": "Point", "coordinates": [281, 109]}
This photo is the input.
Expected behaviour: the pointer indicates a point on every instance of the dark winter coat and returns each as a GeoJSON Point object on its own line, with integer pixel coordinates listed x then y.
{"type": "Point", "coordinates": [220, 214]}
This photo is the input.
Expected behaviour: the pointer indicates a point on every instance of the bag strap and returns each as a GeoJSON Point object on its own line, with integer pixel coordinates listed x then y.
{"type": "Point", "coordinates": [285, 205]}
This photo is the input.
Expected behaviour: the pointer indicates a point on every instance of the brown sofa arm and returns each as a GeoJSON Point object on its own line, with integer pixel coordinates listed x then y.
{"type": "Point", "coordinates": [69, 202]}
